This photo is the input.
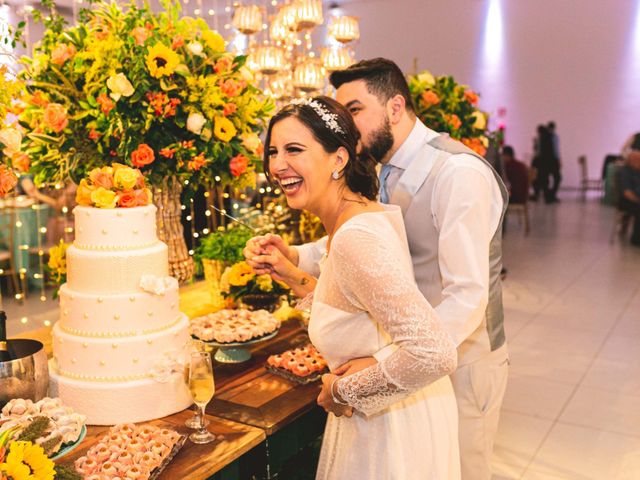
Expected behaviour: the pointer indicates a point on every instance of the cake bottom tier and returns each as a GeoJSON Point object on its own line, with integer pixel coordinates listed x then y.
{"type": "Point", "coordinates": [122, 402]}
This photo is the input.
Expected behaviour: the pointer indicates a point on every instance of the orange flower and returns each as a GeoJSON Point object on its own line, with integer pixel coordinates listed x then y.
{"type": "Point", "coordinates": [453, 120]}
{"type": "Point", "coordinates": [21, 162]}
{"type": "Point", "coordinates": [106, 104]}
{"type": "Point", "coordinates": [167, 152]}
{"type": "Point", "coordinates": [429, 98]}
{"type": "Point", "coordinates": [142, 156]}
{"type": "Point", "coordinates": [238, 165]}
{"type": "Point", "coordinates": [127, 199]}
{"type": "Point", "coordinates": [232, 88]}
{"type": "Point", "coordinates": [38, 99]}
{"type": "Point", "coordinates": [177, 42]}
{"type": "Point", "coordinates": [102, 177]}
{"type": "Point", "coordinates": [471, 97]}
{"type": "Point", "coordinates": [140, 35]}
{"type": "Point", "coordinates": [223, 64]}
{"type": "Point", "coordinates": [475, 144]}
{"type": "Point", "coordinates": [101, 34]}
{"type": "Point", "coordinates": [55, 117]}
{"type": "Point", "coordinates": [8, 180]}
{"type": "Point", "coordinates": [229, 109]}
{"type": "Point", "coordinates": [62, 53]}
{"type": "Point", "coordinates": [187, 144]}
{"type": "Point", "coordinates": [197, 162]}
{"type": "Point", "coordinates": [93, 135]}
{"type": "Point", "coordinates": [143, 197]}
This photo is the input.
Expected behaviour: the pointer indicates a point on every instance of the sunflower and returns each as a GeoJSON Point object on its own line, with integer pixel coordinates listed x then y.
{"type": "Point", "coordinates": [26, 461]}
{"type": "Point", "coordinates": [161, 60]}
{"type": "Point", "coordinates": [224, 129]}
{"type": "Point", "coordinates": [240, 274]}
{"type": "Point", "coordinates": [213, 40]}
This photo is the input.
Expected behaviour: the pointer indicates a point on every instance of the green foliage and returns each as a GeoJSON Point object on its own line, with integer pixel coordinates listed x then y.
{"type": "Point", "coordinates": [226, 245]}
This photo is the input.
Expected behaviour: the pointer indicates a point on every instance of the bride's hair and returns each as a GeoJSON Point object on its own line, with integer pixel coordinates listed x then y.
{"type": "Point", "coordinates": [332, 126]}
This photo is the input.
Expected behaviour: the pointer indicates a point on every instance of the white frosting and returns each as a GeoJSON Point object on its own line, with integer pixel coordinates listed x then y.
{"type": "Point", "coordinates": [117, 314]}
{"type": "Point", "coordinates": [115, 228]}
{"type": "Point", "coordinates": [105, 359]}
{"type": "Point", "coordinates": [122, 402]}
{"type": "Point", "coordinates": [107, 272]}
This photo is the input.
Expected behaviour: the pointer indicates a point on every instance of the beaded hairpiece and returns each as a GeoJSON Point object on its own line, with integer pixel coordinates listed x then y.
{"type": "Point", "coordinates": [329, 119]}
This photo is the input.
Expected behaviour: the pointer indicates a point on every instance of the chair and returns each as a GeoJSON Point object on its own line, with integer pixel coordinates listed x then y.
{"type": "Point", "coordinates": [587, 183]}
{"type": "Point", "coordinates": [7, 259]}
{"type": "Point", "coordinates": [522, 209]}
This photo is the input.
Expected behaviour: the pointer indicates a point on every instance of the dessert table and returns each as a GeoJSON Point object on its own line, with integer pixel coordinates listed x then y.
{"type": "Point", "coordinates": [265, 420]}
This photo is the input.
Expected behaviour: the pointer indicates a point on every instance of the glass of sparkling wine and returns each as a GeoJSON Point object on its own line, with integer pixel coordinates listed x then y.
{"type": "Point", "coordinates": [202, 390]}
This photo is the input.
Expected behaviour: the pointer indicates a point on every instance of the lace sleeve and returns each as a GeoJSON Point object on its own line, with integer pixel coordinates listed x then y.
{"type": "Point", "coordinates": [374, 277]}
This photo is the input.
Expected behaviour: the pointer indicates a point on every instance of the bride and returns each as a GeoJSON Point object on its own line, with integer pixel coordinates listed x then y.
{"type": "Point", "coordinates": [391, 403]}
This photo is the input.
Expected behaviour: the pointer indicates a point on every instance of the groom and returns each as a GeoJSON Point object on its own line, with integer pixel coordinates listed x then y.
{"type": "Point", "coordinates": [453, 205]}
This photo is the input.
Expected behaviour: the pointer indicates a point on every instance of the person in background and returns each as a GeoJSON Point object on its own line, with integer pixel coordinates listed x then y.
{"type": "Point", "coordinates": [628, 181]}
{"type": "Point", "coordinates": [536, 163]}
{"type": "Point", "coordinates": [551, 194]}
{"type": "Point", "coordinates": [517, 176]}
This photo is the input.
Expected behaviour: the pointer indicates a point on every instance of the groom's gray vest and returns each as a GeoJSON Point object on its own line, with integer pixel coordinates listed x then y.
{"type": "Point", "coordinates": [413, 193]}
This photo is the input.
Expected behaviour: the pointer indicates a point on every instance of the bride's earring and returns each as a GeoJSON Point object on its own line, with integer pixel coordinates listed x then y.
{"type": "Point", "coordinates": [335, 175]}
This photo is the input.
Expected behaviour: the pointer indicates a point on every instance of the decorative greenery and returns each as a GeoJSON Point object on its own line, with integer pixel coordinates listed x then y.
{"type": "Point", "coordinates": [445, 106]}
{"type": "Point", "coordinates": [240, 280]}
{"type": "Point", "coordinates": [156, 91]}
{"type": "Point", "coordinates": [225, 245]}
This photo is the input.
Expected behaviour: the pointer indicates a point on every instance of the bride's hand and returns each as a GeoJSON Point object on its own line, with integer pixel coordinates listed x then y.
{"type": "Point", "coordinates": [355, 365]}
{"type": "Point", "coordinates": [325, 399]}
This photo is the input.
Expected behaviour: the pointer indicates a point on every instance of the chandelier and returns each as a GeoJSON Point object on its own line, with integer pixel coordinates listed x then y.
{"type": "Point", "coordinates": [280, 49]}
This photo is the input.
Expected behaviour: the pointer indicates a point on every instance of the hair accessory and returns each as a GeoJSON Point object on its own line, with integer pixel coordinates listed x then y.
{"type": "Point", "coordinates": [330, 119]}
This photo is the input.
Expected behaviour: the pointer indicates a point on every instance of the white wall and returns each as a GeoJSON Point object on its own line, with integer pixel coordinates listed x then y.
{"type": "Point", "coordinates": [573, 61]}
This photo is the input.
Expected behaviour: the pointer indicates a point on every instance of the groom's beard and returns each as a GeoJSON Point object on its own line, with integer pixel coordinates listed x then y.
{"type": "Point", "coordinates": [381, 141]}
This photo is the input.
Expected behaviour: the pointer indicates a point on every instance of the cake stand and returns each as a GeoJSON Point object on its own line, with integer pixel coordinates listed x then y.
{"type": "Point", "coordinates": [236, 352]}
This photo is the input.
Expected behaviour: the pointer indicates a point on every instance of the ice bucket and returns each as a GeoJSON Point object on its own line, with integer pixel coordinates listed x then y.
{"type": "Point", "coordinates": [28, 375]}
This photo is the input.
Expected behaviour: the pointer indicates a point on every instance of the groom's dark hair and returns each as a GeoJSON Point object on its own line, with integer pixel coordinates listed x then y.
{"type": "Point", "coordinates": [383, 78]}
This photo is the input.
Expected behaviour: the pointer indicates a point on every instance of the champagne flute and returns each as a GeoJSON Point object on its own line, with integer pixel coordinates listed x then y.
{"type": "Point", "coordinates": [202, 389]}
{"type": "Point", "coordinates": [194, 422]}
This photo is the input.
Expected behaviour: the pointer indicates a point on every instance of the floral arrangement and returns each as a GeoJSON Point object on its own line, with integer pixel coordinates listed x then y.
{"type": "Point", "coordinates": [11, 157]}
{"type": "Point", "coordinates": [114, 186]}
{"type": "Point", "coordinates": [57, 265]}
{"type": "Point", "coordinates": [22, 459]}
{"type": "Point", "coordinates": [155, 91]}
{"type": "Point", "coordinates": [240, 280]}
{"type": "Point", "coordinates": [445, 106]}
{"type": "Point", "coordinates": [225, 245]}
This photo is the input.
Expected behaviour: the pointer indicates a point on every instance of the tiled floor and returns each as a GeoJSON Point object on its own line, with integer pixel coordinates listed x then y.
{"type": "Point", "coordinates": [572, 313]}
{"type": "Point", "coordinates": [572, 310]}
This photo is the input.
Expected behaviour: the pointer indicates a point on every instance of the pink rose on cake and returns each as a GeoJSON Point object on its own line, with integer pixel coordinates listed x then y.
{"type": "Point", "coordinates": [114, 186]}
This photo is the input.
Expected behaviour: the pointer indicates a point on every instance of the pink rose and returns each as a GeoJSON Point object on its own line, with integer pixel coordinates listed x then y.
{"type": "Point", "coordinates": [101, 178]}
{"type": "Point", "coordinates": [140, 35]}
{"type": "Point", "coordinates": [142, 197]}
{"type": "Point", "coordinates": [55, 117]}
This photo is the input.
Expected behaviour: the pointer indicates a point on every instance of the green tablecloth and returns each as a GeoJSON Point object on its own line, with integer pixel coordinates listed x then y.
{"type": "Point", "coordinates": [26, 229]}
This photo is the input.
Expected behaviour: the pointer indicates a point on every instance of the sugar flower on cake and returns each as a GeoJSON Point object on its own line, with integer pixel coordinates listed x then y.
{"type": "Point", "coordinates": [113, 186]}
{"type": "Point", "coordinates": [157, 285]}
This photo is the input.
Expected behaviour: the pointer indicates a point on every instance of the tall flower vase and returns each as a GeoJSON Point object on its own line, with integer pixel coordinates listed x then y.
{"type": "Point", "coordinates": [167, 198]}
{"type": "Point", "coordinates": [212, 273]}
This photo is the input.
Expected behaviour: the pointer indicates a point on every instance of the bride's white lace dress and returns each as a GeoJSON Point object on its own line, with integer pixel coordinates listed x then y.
{"type": "Point", "coordinates": [366, 303]}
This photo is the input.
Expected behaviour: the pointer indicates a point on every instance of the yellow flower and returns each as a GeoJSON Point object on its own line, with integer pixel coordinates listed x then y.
{"type": "Point", "coordinates": [27, 461]}
{"type": "Point", "coordinates": [58, 258]}
{"type": "Point", "coordinates": [264, 282]}
{"type": "Point", "coordinates": [83, 193]}
{"type": "Point", "coordinates": [224, 129]}
{"type": "Point", "coordinates": [479, 120]}
{"type": "Point", "coordinates": [224, 281]}
{"type": "Point", "coordinates": [125, 178]}
{"type": "Point", "coordinates": [213, 40]}
{"type": "Point", "coordinates": [240, 274]}
{"type": "Point", "coordinates": [161, 60]}
{"type": "Point", "coordinates": [103, 198]}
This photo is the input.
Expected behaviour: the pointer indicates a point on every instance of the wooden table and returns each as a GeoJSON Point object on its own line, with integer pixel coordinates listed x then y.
{"type": "Point", "coordinates": [265, 419]}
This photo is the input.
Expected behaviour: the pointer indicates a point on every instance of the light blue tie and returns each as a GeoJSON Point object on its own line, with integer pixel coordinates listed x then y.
{"type": "Point", "coordinates": [384, 175]}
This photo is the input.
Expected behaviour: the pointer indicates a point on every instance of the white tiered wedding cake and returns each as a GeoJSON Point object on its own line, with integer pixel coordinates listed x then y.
{"type": "Point", "coordinates": [120, 335]}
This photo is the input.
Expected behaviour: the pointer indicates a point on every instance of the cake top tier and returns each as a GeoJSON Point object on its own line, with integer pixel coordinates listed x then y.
{"type": "Point", "coordinates": [115, 228]}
